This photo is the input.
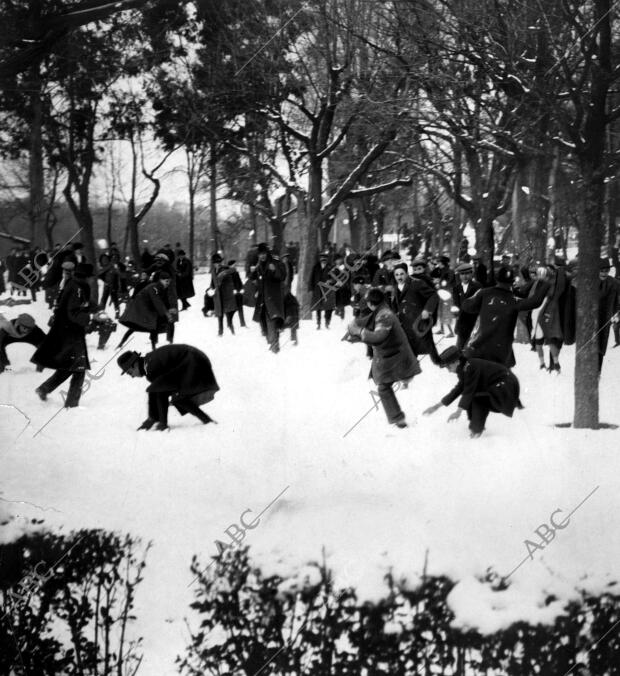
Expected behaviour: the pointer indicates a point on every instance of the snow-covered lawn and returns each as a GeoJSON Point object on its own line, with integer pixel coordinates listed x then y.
{"type": "Point", "coordinates": [374, 497]}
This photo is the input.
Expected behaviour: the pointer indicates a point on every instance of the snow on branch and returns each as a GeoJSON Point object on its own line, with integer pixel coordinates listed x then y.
{"type": "Point", "coordinates": [382, 187]}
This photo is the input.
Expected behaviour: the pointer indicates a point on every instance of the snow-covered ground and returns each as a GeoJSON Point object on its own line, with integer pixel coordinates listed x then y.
{"type": "Point", "coordinates": [375, 497]}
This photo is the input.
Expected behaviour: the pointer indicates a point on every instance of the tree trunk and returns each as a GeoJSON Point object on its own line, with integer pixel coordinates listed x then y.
{"type": "Point", "coordinates": [309, 236]}
{"type": "Point", "coordinates": [586, 357]}
{"type": "Point", "coordinates": [192, 224]}
{"type": "Point", "coordinates": [212, 243]}
{"type": "Point", "coordinates": [36, 211]}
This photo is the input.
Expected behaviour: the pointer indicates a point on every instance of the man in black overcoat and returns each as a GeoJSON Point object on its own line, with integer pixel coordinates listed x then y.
{"type": "Point", "coordinates": [466, 287]}
{"type": "Point", "coordinates": [180, 375]}
{"type": "Point", "coordinates": [185, 278]}
{"type": "Point", "coordinates": [268, 275]}
{"type": "Point", "coordinates": [483, 387]}
{"type": "Point", "coordinates": [64, 347]}
{"type": "Point", "coordinates": [498, 309]}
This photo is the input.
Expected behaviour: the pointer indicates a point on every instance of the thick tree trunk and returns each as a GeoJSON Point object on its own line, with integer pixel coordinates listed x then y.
{"type": "Point", "coordinates": [192, 224]}
{"type": "Point", "coordinates": [309, 237]}
{"type": "Point", "coordinates": [586, 358]}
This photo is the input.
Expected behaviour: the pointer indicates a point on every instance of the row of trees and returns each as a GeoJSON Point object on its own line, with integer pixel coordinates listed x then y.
{"type": "Point", "coordinates": [465, 110]}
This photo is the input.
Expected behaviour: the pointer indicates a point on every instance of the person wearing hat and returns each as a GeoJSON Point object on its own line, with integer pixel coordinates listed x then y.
{"type": "Point", "coordinates": [322, 286]}
{"type": "Point", "coordinates": [22, 329]}
{"type": "Point", "coordinates": [465, 287]}
{"type": "Point", "coordinates": [497, 310]}
{"type": "Point", "coordinates": [162, 263]}
{"type": "Point", "coordinates": [268, 275]}
{"type": "Point", "coordinates": [148, 311]}
{"type": "Point", "coordinates": [238, 286]}
{"type": "Point", "coordinates": [480, 270]}
{"type": "Point", "coordinates": [483, 387]}
{"type": "Point", "coordinates": [185, 278]}
{"type": "Point", "coordinates": [222, 289]}
{"type": "Point", "coordinates": [64, 347]}
{"type": "Point", "coordinates": [415, 302]}
{"type": "Point", "coordinates": [383, 278]}
{"type": "Point", "coordinates": [393, 360]}
{"type": "Point", "coordinates": [180, 375]}
{"type": "Point", "coordinates": [608, 307]}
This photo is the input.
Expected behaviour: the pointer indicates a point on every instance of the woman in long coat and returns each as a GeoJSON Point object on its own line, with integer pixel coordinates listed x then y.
{"type": "Point", "coordinates": [551, 316]}
{"type": "Point", "coordinates": [185, 279]}
{"type": "Point", "coordinates": [323, 289]}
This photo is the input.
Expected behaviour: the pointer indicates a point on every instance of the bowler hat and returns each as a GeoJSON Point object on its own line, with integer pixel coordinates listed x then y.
{"type": "Point", "coordinates": [263, 248]}
{"type": "Point", "coordinates": [604, 264]}
{"type": "Point", "coordinates": [422, 326]}
{"type": "Point", "coordinates": [127, 360]}
{"type": "Point", "coordinates": [449, 355]}
{"type": "Point", "coordinates": [464, 267]}
{"type": "Point", "coordinates": [25, 320]}
{"type": "Point", "coordinates": [216, 258]}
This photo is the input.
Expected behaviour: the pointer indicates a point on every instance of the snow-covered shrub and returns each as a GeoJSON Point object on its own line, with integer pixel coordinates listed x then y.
{"type": "Point", "coordinates": [265, 626]}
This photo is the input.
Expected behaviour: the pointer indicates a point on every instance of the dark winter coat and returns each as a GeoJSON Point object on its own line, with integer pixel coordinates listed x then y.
{"type": "Point", "coordinates": [185, 278]}
{"type": "Point", "coordinates": [550, 319]}
{"type": "Point", "coordinates": [147, 310]}
{"type": "Point", "coordinates": [392, 356]}
{"type": "Point", "coordinates": [181, 371]}
{"type": "Point", "coordinates": [498, 310]}
{"type": "Point", "coordinates": [268, 277]}
{"type": "Point", "coordinates": [408, 303]}
{"type": "Point", "coordinates": [64, 347]}
{"type": "Point", "coordinates": [482, 377]}
{"type": "Point", "coordinates": [465, 321]}
{"type": "Point", "coordinates": [161, 265]}
{"type": "Point", "coordinates": [223, 282]}
{"type": "Point", "coordinates": [608, 305]}
{"type": "Point", "coordinates": [291, 311]}
{"type": "Point", "coordinates": [322, 286]}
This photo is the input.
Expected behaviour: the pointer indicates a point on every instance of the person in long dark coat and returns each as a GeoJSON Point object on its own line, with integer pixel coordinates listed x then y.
{"type": "Point", "coordinates": [392, 357]}
{"type": "Point", "coordinates": [180, 375]}
{"type": "Point", "coordinates": [268, 275]}
{"type": "Point", "coordinates": [64, 347]}
{"type": "Point", "coordinates": [238, 286]}
{"type": "Point", "coordinates": [608, 307]}
{"type": "Point", "coordinates": [185, 278]}
{"type": "Point", "coordinates": [224, 298]}
{"type": "Point", "coordinates": [483, 387]}
{"type": "Point", "coordinates": [498, 310]}
{"type": "Point", "coordinates": [466, 287]}
{"type": "Point", "coordinates": [22, 329]}
{"type": "Point", "coordinates": [323, 289]}
{"type": "Point", "coordinates": [148, 311]}
{"type": "Point", "coordinates": [413, 298]}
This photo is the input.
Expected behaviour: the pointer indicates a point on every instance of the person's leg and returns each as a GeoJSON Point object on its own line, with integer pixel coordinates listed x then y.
{"type": "Point", "coordinates": [220, 325]}
{"type": "Point", "coordinates": [554, 349]}
{"type": "Point", "coordinates": [616, 330]}
{"type": "Point", "coordinates": [390, 404]}
{"type": "Point", "coordinates": [154, 338]}
{"type": "Point", "coordinates": [184, 406]}
{"type": "Point", "coordinates": [479, 413]}
{"type": "Point", "coordinates": [170, 332]}
{"type": "Point", "coordinates": [161, 402]}
{"type": "Point", "coordinates": [56, 379]}
{"type": "Point", "coordinates": [75, 389]}
{"type": "Point", "coordinates": [318, 318]}
{"type": "Point", "coordinates": [241, 317]}
{"type": "Point", "coordinates": [229, 321]}
{"type": "Point", "coordinates": [273, 335]}
{"type": "Point", "coordinates": [294, 333]}
{"type": "Point", "coordinates": [541, 355]}
{"type": "Point", "coordinates": [124, 338]}
{"type": "Point", "coordinates": [328, 318]}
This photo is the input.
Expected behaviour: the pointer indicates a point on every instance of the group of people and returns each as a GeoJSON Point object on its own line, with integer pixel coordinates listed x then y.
{"type": "Point", "coordinates": [396, 315]}
{"type": "Point", "coordinates": [395, 306]}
